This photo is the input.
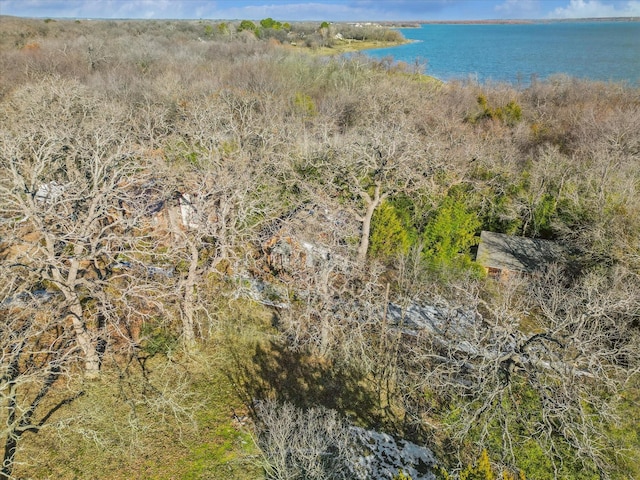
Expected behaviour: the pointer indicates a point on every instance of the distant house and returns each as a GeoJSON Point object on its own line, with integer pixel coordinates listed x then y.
{"type": "Point", "coordinates": [502, 255]}
{"type": "Point", "coordinates": [178, 212]}
{"type": "Point", "coordinates": [49, 192]}
{"type": "Point", "coordinates": [165, 213]}
{"type": "Point", "coordinates": [306, 238]}
{"type": "Point", "coordinates": [24, 241]}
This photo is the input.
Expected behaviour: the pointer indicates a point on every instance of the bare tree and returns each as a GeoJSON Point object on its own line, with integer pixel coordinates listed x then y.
{"type": "Point", "coordinates": [376, 168]}
{"type": "Point", "coordinates": [72, 198]}
{"type": "Point", "coordinates": [214, 185]}
{"type": "Point", "coordinates": [542, 361]}
{"type": "Point", "coordinates": [38, 353]}
{"type": "Point", "coordinates": [303, 445]}
{"type": "Point", "coordinates": [80, 249]}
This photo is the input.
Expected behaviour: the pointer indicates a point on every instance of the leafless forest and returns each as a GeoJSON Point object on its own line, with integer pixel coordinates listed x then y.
{"type": "Point", "coordinates": [225, 256]}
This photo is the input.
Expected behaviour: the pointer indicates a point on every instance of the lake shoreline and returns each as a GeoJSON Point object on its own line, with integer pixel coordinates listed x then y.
{"type": "Point", "coordinates": [349, 46]}
{"type": "Point", "coordinates": [525, 21]}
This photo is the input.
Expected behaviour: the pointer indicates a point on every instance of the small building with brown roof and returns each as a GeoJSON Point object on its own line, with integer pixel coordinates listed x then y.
{"type": "Point", "coordinates": [502, 255]}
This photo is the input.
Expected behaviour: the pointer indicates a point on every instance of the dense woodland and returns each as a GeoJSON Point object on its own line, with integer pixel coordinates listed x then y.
{"type": "Point", "coordinates": [212, 240]}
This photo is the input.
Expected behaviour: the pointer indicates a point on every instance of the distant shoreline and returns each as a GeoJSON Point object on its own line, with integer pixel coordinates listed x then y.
{"type": "Point", "coordinates": [419, 23]}
{"type": "Point", "coordinates": [382, 23]}
{"type": "Point", "coordinates": [353, 46]}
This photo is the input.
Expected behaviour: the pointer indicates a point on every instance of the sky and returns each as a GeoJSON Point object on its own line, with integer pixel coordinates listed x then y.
{"type": "Point", "coordinates": [320, 10]}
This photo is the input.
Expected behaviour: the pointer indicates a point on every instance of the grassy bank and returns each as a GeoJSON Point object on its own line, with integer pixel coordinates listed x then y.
{"type": "Point", "coordinates": [350, 46]}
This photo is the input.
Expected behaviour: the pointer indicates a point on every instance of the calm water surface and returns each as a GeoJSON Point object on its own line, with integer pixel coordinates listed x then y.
{"type": "Point", "coordinates": [515, 53]}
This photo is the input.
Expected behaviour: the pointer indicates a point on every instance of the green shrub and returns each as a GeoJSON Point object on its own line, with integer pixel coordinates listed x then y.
{"type": "Point", "coordinates": [247, 25]}
{"type": "Point", "coordinates": [305, 105]}
{"type": "Point", "coordinates": [510, 114]}
{"type": "Point", "coordinates": [389, 235]}
{"type": "Point", "coordinates": [401, 476]}
{"type": "Point", "coordinates": [270, 23]}
{"type": "Point", "coordinates": [157, 339]}
{"type": "Point", "coordinates": [480, 471]}
{"type": "Point", "coordinates": [449, 236]}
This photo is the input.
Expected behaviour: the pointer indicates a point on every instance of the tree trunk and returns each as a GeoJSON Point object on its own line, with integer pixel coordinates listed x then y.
{"type": "Point", "coordinates": [189, 299]}
{"type": "Point", "coordinates": [10, 447]}
{"type": "Point", "coordinates": [372, 204]}
{"type": "Point", "coordinates": [85, 342]}
{"type": "Point", "coordinates": [11, 443]}
{"type": "Point", "coordinates": [83, 336]}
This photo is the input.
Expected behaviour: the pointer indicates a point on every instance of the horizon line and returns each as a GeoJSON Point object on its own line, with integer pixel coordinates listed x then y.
{"type": "Point", "coordinates": [421, 21]}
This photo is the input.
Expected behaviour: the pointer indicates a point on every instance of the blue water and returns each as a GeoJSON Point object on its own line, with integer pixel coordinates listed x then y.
{"type": "Point", "coordinates": [517, 53]}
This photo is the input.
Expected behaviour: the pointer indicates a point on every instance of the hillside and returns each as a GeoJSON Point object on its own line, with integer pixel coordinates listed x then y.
{"type": "Point", "coordinates": [227, 256]}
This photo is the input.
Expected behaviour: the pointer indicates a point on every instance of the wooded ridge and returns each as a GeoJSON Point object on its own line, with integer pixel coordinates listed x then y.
{"type": "Point", "coordinates": [225, 256]}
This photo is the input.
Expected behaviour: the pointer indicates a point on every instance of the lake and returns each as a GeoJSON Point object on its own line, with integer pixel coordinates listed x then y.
{"type": "Point", "coordinates": [516, 53]}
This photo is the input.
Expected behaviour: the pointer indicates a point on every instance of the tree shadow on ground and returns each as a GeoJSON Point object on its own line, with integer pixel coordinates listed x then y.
{"type": "Point", "coordinates": [306, 380]}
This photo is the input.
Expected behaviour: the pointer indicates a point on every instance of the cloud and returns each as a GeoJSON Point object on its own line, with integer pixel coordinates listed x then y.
{"type": "Point", "coordinates": [318, 10]}
{"type": "Point", "coordinates": [597, 9]}
{"type": "Point", "coordinates": [332, 10]}
{"type": "Point", "coordinates": [92, 8]}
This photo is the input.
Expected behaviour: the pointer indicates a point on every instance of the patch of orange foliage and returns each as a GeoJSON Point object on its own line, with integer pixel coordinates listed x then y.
{"type": "Point", "coordinates": [31, 47]}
